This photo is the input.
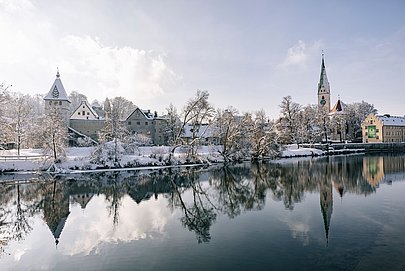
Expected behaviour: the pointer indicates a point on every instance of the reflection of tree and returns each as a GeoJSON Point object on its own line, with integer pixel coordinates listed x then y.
{"type": "Point", "coordinates": [21, 225]}
{"type": "Point", "coordinates": [113, 194]}
{"type": "Point", "coordinates": [17, 206]}
{"type": "Point", "coordinates": [199, 214]}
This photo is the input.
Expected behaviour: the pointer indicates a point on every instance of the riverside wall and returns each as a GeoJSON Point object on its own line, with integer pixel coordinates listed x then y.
{"type": "Point", "coordinates": [368, 147]}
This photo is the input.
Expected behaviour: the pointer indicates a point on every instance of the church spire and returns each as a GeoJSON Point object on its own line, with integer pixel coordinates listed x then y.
{"type": "Point", "coordinates": [57, 72]}
{"type": "Point", "coordinates": [324, 88]}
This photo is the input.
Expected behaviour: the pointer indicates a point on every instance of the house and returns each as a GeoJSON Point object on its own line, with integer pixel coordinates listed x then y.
{"type": "Point", "coordinates": [148, 124]}
{"type": "Point", "coordinates": [207, 134]}
{"type": "Point", "coordinates": [383, 128]}
{"type": "Point", "coordinates": [86, 120]}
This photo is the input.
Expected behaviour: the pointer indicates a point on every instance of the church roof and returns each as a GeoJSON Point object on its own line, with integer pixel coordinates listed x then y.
{"type": "Point", "coordinates": [323, 80]}
{"type": "Point", "coordinates": [339, 107]}
{"type": "Point", "coordinates": [57, 91]}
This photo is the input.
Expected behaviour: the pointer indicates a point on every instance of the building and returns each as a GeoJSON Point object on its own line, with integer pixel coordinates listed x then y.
{"type": "Point", "coordinates": [206, 134]}
{"type": "Point", "coordinates": [58, 99]}
{"type": "Point", "coordinates": [145, 123]}
{"type": "Point", "coordinates": [86, 120]}
{"type": "Point", "coordinates": [324, 89]}
{"type": "Point", "coordinates": [383, 128]}
{"type": "Point", "coordinates": [339, 128]}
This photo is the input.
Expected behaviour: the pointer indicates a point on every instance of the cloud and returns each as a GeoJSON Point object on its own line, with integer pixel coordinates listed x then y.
{"type": "Point", "coordinates": [36, 45]}
{"type": "Point", "coordinates": [299, 54]}
{"type": "Point", "coordinates": [125, 71]}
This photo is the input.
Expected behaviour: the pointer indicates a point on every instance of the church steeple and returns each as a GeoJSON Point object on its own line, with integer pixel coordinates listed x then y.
{"type": "Point", "coordinates": [324, 88]}
{"type": "Point", "coordinates": [57, 98]}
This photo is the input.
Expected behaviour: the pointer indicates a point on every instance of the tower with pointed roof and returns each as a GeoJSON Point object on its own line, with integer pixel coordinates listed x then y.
{"type": "Point", "coordinates": [57, 99]}
{"type": "Point", "coordinates": [324, 88]}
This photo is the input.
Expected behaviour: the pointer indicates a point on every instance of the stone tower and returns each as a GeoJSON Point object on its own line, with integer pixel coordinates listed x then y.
{"type": "Point", "coordinates": [324, 89]}
{"type": "Point", "coordinates": [58, 99]}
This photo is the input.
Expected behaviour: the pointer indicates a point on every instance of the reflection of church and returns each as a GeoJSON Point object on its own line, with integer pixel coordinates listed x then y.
{"type": "Point", "coordinates": [58, 197]}
{"type": "Point", "coordinates": [56, 208]}
{"type": "Point", "coordinates": [326, 201]}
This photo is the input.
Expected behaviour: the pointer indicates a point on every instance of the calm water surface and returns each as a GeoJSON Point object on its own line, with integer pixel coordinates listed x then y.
{"type": "Point", "coordinates": [330, 213]}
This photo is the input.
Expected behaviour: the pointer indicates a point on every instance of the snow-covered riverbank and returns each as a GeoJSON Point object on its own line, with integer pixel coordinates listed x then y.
{"type": "Point", "coordinates": [79, 159]}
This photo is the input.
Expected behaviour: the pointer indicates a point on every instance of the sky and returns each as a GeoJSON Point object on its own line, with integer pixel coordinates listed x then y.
{"type": "Point", "coordinates": [247, 54]}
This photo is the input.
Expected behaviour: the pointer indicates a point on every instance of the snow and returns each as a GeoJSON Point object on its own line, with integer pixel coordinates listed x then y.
{"type": "Point", "coordinates": [79, 159]}
{"type": "Point", "coordinates": [392, 120]}
{"type": "Point", "coordinates": [293, 151]}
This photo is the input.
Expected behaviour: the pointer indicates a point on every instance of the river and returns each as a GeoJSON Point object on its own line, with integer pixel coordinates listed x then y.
{"type": "Point", "coordinates": [327, 213]}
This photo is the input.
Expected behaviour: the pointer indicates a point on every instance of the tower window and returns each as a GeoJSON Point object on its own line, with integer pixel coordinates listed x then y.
{"type": "Point", "coordinates": [60, 102]}
{"type": "Point", "coordinates": [323, 97]}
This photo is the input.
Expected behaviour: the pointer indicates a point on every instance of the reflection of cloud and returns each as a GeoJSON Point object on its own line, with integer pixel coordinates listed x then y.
{"type": "Point", "coordinates": [299, 229]}
{"type": "Point", "coordinates": [86, 230]}
{"type": "Point", "coordinates": [299, 53]}
{"type": "Point", "coordinates": [18, 254]}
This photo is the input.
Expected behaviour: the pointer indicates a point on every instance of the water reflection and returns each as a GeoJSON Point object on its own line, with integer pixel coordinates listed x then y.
{"type": "Point", "coordinates": [199, 195]}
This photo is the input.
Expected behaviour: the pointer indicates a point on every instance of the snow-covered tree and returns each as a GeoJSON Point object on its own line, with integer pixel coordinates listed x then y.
{"type": "Point", "coordinates": [263, 137]}
{"type": "Point", "coordinates": [229, 127]}
{"type": "Point", "coordinates": [21, 118]}
{"type": "Point", "coordinates": [172, 125]}
{"type": "Point", "coordinates": [289, 121]}
{"type": "Point", "coordinates": [5, 127]}
{"type": "Point", "coordinates": [323, 121]}
{"type": "Point", "coordinates": [76, 99]}
{"type": "Point", "coordinates": [197, 111]}
{"type": "Point", "coordinates": [356, 114]}
{"type": "Point", "coordinates": [122, 107]}
{"type": "Point", "coordinates": [309, 130]}
{"type": "Point", "coordinates": [111, 137]}
{"type": "Point", "coordinates": [54, 134]}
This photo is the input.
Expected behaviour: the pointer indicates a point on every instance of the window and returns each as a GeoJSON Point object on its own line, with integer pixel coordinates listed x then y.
{"type": "Point", "coordinates": [78, 113]}
{"type": "Point", "coordinates": [84, 113]}
{"type": "Point", "coordinates": [60, 102]}
{"type": "Point", "coordinates": [83, 106]}
{"type": "Point", "coordinates": [138, 123]}
{"type": "Point", "coordinates": [129, 123]}
{"type": "Point", "coordinates": [146, 123]}
{"type": "Point", "coordinates": [88, 113]}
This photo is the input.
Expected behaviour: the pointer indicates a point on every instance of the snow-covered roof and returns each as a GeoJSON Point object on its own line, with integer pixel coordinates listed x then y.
{"type": "Point", "coordinates": [389, 120]}
{"type": "Point", "coordinates": [148, 115]}
{"type": "Point", "coordinates": [338, 108]}
{"type": "Point", "coordinates": [204, 130]}
{"type": "Point", "coordinates": [57, 91]}
{"type": "Point", "coordinates": [85, 103]}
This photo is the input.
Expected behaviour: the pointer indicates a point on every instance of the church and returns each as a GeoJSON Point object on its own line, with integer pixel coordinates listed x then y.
{"type": "Point", "coordinates": [338, 128]}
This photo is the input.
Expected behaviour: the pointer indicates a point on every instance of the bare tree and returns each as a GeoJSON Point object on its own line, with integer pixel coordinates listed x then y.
{"type": "Point", "coordinates": [76, 99]}
{"type": "Point", "coordinates": [229, 127]}
{"type": "Point", "coordinates": [22, 111]}
{"type": "Point", "coordinates": [289, 120]}
{"type": "Point", "coordinates": [196, 112]}
{"type": "Point", "coordinates": [54, 134]}
{"type": "Point", "coordinates": [122, 107]}
{"type": "Point", "coordinates": [263, 136]}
